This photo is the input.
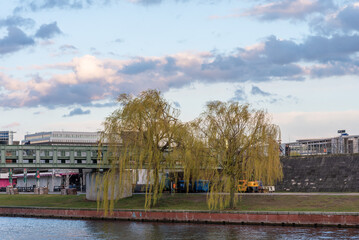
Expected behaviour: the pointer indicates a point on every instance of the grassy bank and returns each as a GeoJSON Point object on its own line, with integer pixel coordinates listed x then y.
{"type": "Point", "coordinates": [255, 202]}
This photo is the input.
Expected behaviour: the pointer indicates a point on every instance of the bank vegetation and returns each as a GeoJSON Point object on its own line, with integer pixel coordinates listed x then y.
{"type": "Point", "coordinates": [228, 142]}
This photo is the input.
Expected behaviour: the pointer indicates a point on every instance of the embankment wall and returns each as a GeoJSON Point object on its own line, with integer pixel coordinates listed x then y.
{"type": "Point", "coordinates": [328, 173]}
{"type": "Point", "coordinates": [266, 218]}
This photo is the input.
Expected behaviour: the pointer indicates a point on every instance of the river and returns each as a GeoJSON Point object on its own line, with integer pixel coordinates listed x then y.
{"type": "Point", "coordinates": [41, 228]}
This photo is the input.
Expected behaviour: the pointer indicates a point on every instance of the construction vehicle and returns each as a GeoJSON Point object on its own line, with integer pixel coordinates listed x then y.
{"type": "Point", "coordinates": [245, 186]}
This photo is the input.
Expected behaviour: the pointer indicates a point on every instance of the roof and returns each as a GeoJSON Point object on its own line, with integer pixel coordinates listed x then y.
{"type": "Point", "coordinates": [45, 174]}
{"type": "Point", "coordinates": [5, 176]}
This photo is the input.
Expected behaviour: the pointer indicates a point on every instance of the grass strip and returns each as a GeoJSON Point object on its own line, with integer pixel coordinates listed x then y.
{"type": "Point", "coordinates": [255, 202]}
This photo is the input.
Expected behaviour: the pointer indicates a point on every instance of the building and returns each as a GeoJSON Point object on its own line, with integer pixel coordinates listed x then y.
{"type": "Point", "coordinates": [5, 181]}
{"type": "Point", "coordinates": [54, 180]}
{"type": "Point", "coordinates": [63, 138]}
{"type": "Point", "coordinates": [343, 144]}
{"type": "Point", "coordinates": [60, 138]}
{"type": "Point", "coordinates": [6, 138]}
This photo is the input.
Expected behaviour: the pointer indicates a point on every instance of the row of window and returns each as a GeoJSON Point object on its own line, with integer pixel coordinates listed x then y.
{"type": "Point", "coordinates": [68, 135]}
{"type": "Point", "coordinates": [74, 140]}
{"type": "Point", "coordinates": [50, 135]}
{"type": "Point", "coordinates": [50, 153]}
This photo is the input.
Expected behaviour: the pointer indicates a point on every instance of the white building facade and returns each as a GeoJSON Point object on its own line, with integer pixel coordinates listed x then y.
{"type": "Point", "coordinates": [63, 138]}
{"type": "Point", "coordinates": [343, 144]}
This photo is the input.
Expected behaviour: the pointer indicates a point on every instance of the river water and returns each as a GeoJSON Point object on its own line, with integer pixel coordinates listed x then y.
{"type": "Point", "coordinates": [40, 228]}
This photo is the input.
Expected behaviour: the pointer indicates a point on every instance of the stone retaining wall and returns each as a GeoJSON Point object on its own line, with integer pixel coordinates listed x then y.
{"type": "Point", "coordinates": [267, 218]}
{"type": "Point", "coordinates": [329, 173]}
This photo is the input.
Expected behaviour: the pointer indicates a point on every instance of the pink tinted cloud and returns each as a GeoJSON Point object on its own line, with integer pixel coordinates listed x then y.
{"type": "Point", "coordinates": [288, 9]}
{"type": "Point", "coordinates": [11, 125]}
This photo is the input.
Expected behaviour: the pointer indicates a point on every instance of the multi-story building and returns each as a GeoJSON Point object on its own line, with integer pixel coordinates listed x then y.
{"type": "Point", "coordinates": [6, 137]}
{"type": "Point", "coordinates": [343, 144]}
{"type": "Point", "coordinates": [63, 138]}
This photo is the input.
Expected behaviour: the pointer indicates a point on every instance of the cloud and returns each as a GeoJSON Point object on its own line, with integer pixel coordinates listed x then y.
{"type": "Point", "coordinates": [334, 69]}
{"type": "Point", "coordinates": [257, 91]}
{"type": "Point", "coordinates": [324, 17]}
{"type": "Point", "coordinates": [77, 111]}
{"type": "Point", "coordinates": [249, 66]}
{"type": "Point", "coordinates": [93, 82]}
{"type": "Point", "coordinates": [67, 47]}
{"type": "Point", "coordinates": [156, 2]}
{"type": "Point", "coordinates": [348, 18]}
{"type": "Point", "coordinates": [10, 125]}
{"type": "Point", "coordinates": [314, 48]}
{"type": "Point", "coordinates": [14, 41]}
{"type": "Point", "coordinates": [344, 20]}
{"type": "Point", "coordinates": [43, 5]}
{"type": "Point", "coordinates": [239, 95]}
{"type": "Point", "coordinates": [139, 66]}
{"type": "Point", "coordinates": [47, 31]}
{"type": "Point", "coordinates": [177, 104]}
{"type": "Point", "coordinates": [88, 82]}
{"type": "Point", "coordinates": [101, 105]}
{"type": "Point", "coordinates": [263, 98]}
{"type": "Point", "coordinates": [37, 5]}
{"type": "Point", "coordinates": [119, 40]}
{"type": "Point", "coordinates": [289, 9]}
{"type": "Point", "coordinates": [16, 21]}
{"type": "Point", "coordinates": [146, 2]}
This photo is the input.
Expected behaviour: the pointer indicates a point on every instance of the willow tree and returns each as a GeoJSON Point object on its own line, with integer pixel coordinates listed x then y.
{"type": "Point", "coordinates": [242, 144]}
{"type": "Point", "coordinates": [144, 133]}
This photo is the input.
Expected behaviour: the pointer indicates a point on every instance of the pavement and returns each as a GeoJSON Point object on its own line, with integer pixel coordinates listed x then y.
{"type": "Point", "coordinates": [291, 193]}
{"type": "Point", "coordinates": [305, 194]}
{"type": "Point", "coordinates": [32, 193]}
{"type": "Point", "coordinates": [248, 194]}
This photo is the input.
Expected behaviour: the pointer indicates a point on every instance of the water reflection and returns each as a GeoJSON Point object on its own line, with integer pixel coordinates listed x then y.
{"type": "Point", "coordinates": [35, 228]}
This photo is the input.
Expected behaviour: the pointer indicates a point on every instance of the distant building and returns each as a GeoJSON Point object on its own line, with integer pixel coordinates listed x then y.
{"type": "Point", "coordinates": [4, 181]}
{"type": "Point", "coordinates": [53, 180]}
{"type": "Point", "coordinates": [343, 144]}
{"type": "Point", "coordinates": [63, 138]}
{"type": "Point", "coordinates": [6, 138]}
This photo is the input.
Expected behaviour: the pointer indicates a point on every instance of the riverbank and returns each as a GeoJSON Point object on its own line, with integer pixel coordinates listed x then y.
{"type": "Point", "coordinates": [196, 202]}
{"type": "Point", "coordinates": [219, 217]}
{"type": "Point", "coordinates": [294, 210]}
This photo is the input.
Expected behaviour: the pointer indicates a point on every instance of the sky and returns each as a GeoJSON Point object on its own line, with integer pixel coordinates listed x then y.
{"type": "Point", "coordinates": [64, 62]}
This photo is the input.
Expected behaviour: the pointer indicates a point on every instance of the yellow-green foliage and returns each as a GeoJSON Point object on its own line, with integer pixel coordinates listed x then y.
{"type": "Point", "coordinates": [241, 144]}
{"type": "Point", "coordinates": [227, 143]}
{"type": "Point", "coordinates": [144, 133]}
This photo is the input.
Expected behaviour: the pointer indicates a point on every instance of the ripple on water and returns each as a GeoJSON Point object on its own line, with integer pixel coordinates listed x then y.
{"type": "Point", "coordinates": [41, 228]}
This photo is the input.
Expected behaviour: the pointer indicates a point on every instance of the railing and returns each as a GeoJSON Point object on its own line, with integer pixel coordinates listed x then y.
{"type": "Point", "coordinates": [52, 156]}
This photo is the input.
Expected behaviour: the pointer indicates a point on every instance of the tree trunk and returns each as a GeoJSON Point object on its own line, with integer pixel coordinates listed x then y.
{"type": "Point", "coordinates": [155, 190]}
{"type": "Point", "coordinates": [232, 191]}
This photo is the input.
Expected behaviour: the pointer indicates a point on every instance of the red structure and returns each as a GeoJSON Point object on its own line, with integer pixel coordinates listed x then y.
{"type": "Point", "coordinates": [4, 182]}
{"type": "Point", "coordinates": [269, 218]}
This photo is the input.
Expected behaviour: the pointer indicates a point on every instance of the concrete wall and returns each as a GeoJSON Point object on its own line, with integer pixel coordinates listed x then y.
{"type": "Point", "coordinates": [92, 189]}
{"type": "Point", "coordinates": [327, 173]}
